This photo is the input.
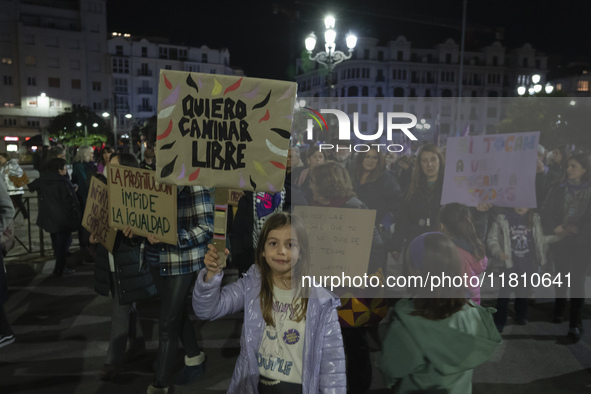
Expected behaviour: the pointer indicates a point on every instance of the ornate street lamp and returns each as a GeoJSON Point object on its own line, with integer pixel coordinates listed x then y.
{"type": "Point", "coordinates": [330, 57]}
{"type": "Point", "coordinates": [534, 87]}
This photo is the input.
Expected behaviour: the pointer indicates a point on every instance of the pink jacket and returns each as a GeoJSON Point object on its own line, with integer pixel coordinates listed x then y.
{"type": "Point", "coordinates": [472, 267]}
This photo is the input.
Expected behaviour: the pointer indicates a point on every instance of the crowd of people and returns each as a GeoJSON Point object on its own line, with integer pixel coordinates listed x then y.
{"type": "Point", "coordinates": [300, 341]}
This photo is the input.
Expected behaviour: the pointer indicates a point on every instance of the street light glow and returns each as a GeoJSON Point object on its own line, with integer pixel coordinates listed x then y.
{"type": "Point", "coordinates": [106, 115]}
{"type": "Point", "coordinates": [549, 89]}
{"type": "Point", "coordinates": [95, 125]}
{"type": "Point", "coordinates": [329, 22]}
{"type": "Point", "coordinates": [128, 116]}
{"type": "Point", "coordinates": [310, 42]}
{"type": "Point", "coordinates": [351, 41]}
{"type": "Point", "coordinates": [537, 88]}
{"type": "Point", "coordinates": [521, 90]}
{"type": "Point", "coordinates": [330, 36]}
{"type": "Point", "coordinates": [78, 124]}
{"type": "Point", "coordinates": [535, 78]}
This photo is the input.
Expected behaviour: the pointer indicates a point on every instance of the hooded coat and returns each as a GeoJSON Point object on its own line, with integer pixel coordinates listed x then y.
{"type": "Point", "coordinates": [422, 355]}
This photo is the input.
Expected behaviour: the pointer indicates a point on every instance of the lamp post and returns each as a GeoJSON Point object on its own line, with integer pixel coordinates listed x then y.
{"type": "Point", "coordinates": [106, 115]}
{"type": "Point", "coordinates": [534, 87]}
{"type": "Point", "coordinates": [330, 57]}
{"type": "Point", "coordinates": [86, 130]}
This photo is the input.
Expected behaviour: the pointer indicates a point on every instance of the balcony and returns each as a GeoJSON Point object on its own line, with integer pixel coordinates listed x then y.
{"type": "Point", "coordinates": [144, 73]}
{"type": "Point", "coordinates": [145, 108]}
{"type": "Point", "coordinates": [144, 90]}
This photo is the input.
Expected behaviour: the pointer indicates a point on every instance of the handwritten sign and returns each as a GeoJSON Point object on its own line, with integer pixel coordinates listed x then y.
{"type": "Point", "coordinates": [234, 196]}
{"type": "Point", "coordinates": [498, 169]}
{"type": "Point", "coordinates": [223, 131]}
{"type": "Point", "coordinates": [96, 214]}
{"type": "Point", "coordinates": [137, 200]}
{"type": "Point", "coordinates": [340, 239]}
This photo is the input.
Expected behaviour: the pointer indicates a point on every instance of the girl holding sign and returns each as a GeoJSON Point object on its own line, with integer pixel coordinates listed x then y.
{"type": "Point", "coordinates": [290, 343]}
{"type": "Point", "coordinates": [567, 213]}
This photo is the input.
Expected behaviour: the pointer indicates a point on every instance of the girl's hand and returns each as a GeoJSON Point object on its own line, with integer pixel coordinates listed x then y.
{"type": "Point", "coordinates": [93, 239]}
{"type": "Point", "coordinates": [128, 232]}
{"type": "Point", "coordinates": [211, 262]}
{"type": "Point", "coordinates": [152, 239]}
{"type": "Point", "coordinates": [484, 206]}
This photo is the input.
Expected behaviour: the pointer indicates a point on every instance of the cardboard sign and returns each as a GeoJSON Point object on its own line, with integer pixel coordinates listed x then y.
{"type": "Point", "coordinates": [223, 131]}
{"type": "Point", "coordinates": [340, 239]}
{"type": "Point", "coordinates": [234, 196]}
{"type": "Point", "coordinates": [499, 169]}
{"type": "Point", "coordinates": [137, 200]}
{"type": "Point", "coordinates": [96, 214]}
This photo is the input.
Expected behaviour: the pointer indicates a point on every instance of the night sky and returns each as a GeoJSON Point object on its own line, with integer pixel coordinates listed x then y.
{"type": "Point", "coordinates": [265, 36]}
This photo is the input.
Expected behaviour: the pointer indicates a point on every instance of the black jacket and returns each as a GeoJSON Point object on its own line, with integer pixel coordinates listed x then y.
{"type": "Point", "coordinates": [383, 195]}
{"type": "Point", "coordinates": [132, 283]}
{"type": "Point", "coordinates": [553, 216]}
{"type": "Point", "coordinates": [59, 210]}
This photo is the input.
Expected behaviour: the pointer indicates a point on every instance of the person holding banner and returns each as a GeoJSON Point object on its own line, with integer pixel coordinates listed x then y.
{"type": "Point", "coordinates": [291, 339]}
{"type": "Point", "coordinates": [119, 273]}
{"type": "Point", "coordinates": [82, 170]}
{"type": "Point", "coordinates": [173, 269]}
{"type": "Point", "coordinates": [567, 213]}
{"type": "Point", "coordinates": [59, 211]}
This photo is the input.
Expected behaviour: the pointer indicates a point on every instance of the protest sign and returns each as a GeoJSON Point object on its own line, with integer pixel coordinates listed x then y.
{"type": "Point", "coordinates": [223, 131]}
{"type": "Point", "coordinates": [340, 239]}
{"type": "Point", "coordinates": [96, 214]}
{"type": "Point", "coordinates": [498, 169]}
{"type": "Point", "coordinates": [234, 196]}
{"type": "Point", "coordinates": [137, 200]}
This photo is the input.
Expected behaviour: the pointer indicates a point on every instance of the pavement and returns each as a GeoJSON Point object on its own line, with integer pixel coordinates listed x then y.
{"type": "Point", "coordinates": [62, 333]}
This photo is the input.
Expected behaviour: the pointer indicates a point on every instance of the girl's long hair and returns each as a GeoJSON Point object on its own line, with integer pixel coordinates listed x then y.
{"type": "Point", "coordinates": [458, 223]}
{"type": "Point", "coordinates": [299, 268]}
{"type": "Point", "coordinates": [436, 254]}
{"type": "Point", "coordinates": [418, 182]}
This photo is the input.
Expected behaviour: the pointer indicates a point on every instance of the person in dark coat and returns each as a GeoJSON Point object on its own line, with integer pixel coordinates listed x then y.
{"type": "Point", "coordinates": [376, 187]}
{"type": "Point", "coordinates": [6, 215]}
{"type": "Point", "coordinates": [567, 213]}
{"type": "Point", "coordinates": [119, 273]}
{"type": "Point", "coordinates": [59, 210]}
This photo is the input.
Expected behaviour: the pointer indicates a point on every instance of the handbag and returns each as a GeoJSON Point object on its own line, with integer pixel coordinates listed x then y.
{"type": "Point", "coordinates": [19, 181]}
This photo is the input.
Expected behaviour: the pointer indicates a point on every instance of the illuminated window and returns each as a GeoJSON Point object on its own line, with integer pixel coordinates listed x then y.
{"type": "Point", "coordinates": [583, 86]}
{"type": "Point", "coordinates": [30, 61]}
{"type": "Point", "coordinates": [6, 60]}
{"type": "Point", "coordinates": [54, 82]}
{"type": "Point", "coordinates": [12, 148]}
{"type": "Point", "coordinates": [558, 86]}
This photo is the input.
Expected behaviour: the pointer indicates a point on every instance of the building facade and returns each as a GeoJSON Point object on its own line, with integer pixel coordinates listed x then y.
{"type": "Point", "coordinates": [400, 70]}
{"type": "Point", "coordinates": [57, 54]}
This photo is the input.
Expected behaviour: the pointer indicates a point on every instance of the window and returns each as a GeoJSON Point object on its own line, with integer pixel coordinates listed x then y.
{"type": "Point", "coordinates": [495, 61]}
{"type": "Point", "coordinates": [366, 54]}
{"type": "Point", "coordinates": [119, 50]}
{"type": "Point", "coordinates": [381, 56]}
{"type": "Point", "coordinates": [97, 106]}
{"type": "Point", "coordinates": [75, 64]}
{"type": "Point", "coordinates": [31, 81]}
{"type": "Point", "coordinates": [144, 51]}
{"type": "Point", "coordinates": [121, 66]}
{"type": "Point", "coordinates": [32, 123]}
{"type": "Point", "coordinates": [204, 58]}
{"type": "Point", "coordinates": [400, 56]}
{"type": "Point", "coordinates": [524, 62]}
{"type": "Point", "coordinates": [168, 67]}
{"type": "Point", "coordinates": [96, 86]}
{"type": "Point", "coordinates": [448, 58]}
{"type": "Point", "coordinates": [9, 122]}
{"type": "Point", "coordinates": [6, 60]}
{"type": "Point", "coordinates": [53, 103]}
{"type": "Point", "coordinates": [54, 82]}
{"type": "Point", "coordinates": [583, 86]}
{"type": "Point", "coordinates": [53, 62]}
{"type": "Point", "coordinates": [8, 80]}
{"type": "Point", "coordinates": [51, 42]}
{"type": "Point", "coordinates": [120, 85]}
{"type": "Point", "coordinates": [76, 84]}
{"type": "Point", "coordinates": [163, 53]}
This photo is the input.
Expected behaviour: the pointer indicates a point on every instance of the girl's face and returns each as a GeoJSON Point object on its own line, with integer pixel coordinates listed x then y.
{"type": "Point", "coordinates": [430, 165]}
{"type": "Point", "coordinates": [89, 155]}
{"type": "Point", "coordinates": [106, 156]}
{"type": "Point", "coordinates": [316, 159]}
{"type": "Point", "coordinates": [521, 211]}
{"type": "Point", "coordinates": [280, 250]}
{"type": "Point", "coordinates": [575, 170]}
{"type": "Point", "coordinates": [370, 161]}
